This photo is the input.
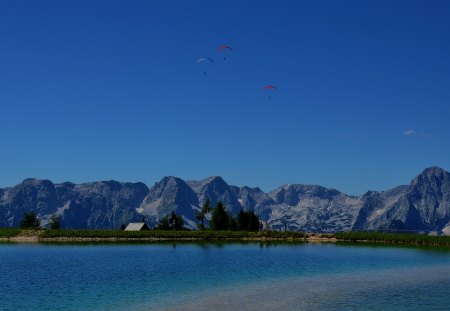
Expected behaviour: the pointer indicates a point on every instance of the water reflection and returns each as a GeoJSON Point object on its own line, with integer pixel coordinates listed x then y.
{"type": "Point", "coordinates": [217, 274]}
{"type": "Point", "coordinates": [380, 245]}
{"type": "Point", "coordinates": [411, 289]}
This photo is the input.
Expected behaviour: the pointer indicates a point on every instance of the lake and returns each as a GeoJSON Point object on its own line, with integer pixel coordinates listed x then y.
{"type": "Point", "coordinates": [223, 276]}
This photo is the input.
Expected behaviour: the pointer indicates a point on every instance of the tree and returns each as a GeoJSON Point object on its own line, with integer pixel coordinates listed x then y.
{"type": "Point", "coordinates": [206, 208]}
{"type": "Point", "coordinates": [243, 220]}
{"type": "Point", "coordinates": [397, 226]}
{"type": "Point", "coordinates": [220, 217]}
{"type": "Point", "coordinates": [253, 221]}
{"type": "Point", "coordinates": [170, 222]}
{"type": "Point", "coordinates": [122, 227]}
{"type": "Point", "coordinates": [55, 222]}
{"type": "Point", "coordinates": [30, 221]}
{"type": "Point", "coordinates": [232, 223]}
{"type": "Point", "coordinates": [163, 224]}
{"type": "Point", "coordinates": [248, 221]}
{"type": "Point", "coordinates": [176, 222]}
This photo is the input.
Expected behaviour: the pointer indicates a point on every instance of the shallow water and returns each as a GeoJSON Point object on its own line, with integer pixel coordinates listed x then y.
{"type": "Point", "coordinates": [235, 276]}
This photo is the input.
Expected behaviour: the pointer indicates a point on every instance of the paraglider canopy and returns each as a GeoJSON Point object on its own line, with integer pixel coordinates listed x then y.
{"type": "Point", "coordinates": [224, 47]}
{"type": "Point", "coordinates": [205, 59]}
{"type": "Point", "coordinates": [270, 87]}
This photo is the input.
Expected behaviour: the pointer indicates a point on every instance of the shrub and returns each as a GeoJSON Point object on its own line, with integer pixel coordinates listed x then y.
{"type": "Point", "coordinates": [30, 221]}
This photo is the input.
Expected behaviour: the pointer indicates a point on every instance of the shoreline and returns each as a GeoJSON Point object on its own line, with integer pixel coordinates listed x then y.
{"type": "Point", "coordinates": [37, 239]}
{"type": "Point", "coordinates": [87, 236]}
{"type": "Point", "coordinates": [45, 236]}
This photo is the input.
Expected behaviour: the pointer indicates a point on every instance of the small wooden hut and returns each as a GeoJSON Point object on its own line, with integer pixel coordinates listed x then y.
{"type": "Point", "coordinates": [137, 226]}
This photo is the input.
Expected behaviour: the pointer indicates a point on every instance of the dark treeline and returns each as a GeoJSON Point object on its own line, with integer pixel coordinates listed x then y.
{"type": "Point", "coordinates": [31, 221]}
{"type": "Point", "coordinates": [170, 222]}
{"type": "Point", "coordinates": [221, 219]}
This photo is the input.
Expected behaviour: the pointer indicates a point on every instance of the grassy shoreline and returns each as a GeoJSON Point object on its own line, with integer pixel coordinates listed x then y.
{"type": "Point", "coordinates": [393, 238]}
{"type": "Point", "coordinates": [9, 232]}
{"type": "Point", "coordinates": [19, 235]}
{"type": "Point", "coordinates": [162, 235]}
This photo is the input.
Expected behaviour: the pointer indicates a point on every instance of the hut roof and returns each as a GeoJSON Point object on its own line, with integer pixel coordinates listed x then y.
{"type": "Point", "coordinates": [136, 226]}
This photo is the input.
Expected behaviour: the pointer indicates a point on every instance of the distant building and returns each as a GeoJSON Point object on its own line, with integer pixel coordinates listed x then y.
{"type": "Point", "coordinates": [137, 226]}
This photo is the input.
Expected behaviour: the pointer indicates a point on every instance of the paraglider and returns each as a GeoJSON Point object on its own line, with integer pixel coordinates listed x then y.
{"type": "Point", "coordinates": [224, 48]}
{"type": "Point", "coordinates": [204, 60]}
{"type": "Point", "coordinates": [270, 88]}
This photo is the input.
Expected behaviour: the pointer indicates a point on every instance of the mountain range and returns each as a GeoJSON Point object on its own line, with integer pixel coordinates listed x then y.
{"type": "Point", "coordinates": [421, 206]}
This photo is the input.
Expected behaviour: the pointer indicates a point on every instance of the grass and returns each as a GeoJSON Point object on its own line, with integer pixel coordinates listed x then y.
{"type": "Point", "coordinates": [161, 234]}
{"type": "Point", "coordinates": [9, 232]}
{"type": "Point", "coordinates": [405, 238]}
{"type": "Point", "coordinates": [358, 237]}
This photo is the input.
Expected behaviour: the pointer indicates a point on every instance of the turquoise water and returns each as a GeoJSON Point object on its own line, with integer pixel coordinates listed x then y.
{"type": "Point", "coordinates": [222, 277]}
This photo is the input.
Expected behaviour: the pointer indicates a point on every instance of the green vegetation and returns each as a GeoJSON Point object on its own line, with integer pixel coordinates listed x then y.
{"type": "Point", "coordinates": [9, 232]}
{"type": "Point", "coordinates": [248, 221]}
{"type": "Point", "coordinates": [201, 215]}
{"type": "Point", "coordinates": [220, 218]}
{"type": "Point", "coordinates": [404, 238]}
{"type": "Point", "coordinates": [169, 234]}
{"type": "Point", "coordinates": [180, 235]}
{"type": "Point", "coordinates": [30, 221]}
{"type": "Point", "coordinates": [170, 222]}
{"type": "Point", "coordinates": [55, 222]}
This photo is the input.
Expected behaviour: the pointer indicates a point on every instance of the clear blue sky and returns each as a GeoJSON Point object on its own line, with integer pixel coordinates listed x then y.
{"type": "Point", "coordinates": [95, 90]}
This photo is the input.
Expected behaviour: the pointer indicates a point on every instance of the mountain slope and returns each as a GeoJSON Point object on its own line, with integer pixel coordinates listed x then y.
{"type": "Point", "coordinates": [171, 194]}
{"type": "Point", "coordinates": [424, 205]}
{"type": "Point", "coordinates": [313, 208]}
{"type": "Point", "coordinates": [376, 204]}
{"type": "Point", "coordinates": [99, 205]}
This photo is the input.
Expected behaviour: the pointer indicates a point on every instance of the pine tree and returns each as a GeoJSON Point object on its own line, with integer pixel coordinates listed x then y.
{"type": "Point", "coordinates": [163, 224]}
{"type": "Point", "coordinates": [176, 222]}
{"type": "Point", "coordinates": [206, 208]}
{"type": "Point", "coordinates": [30, 221]}
{"type": "Point", "coordinates": [170, 222]}
{"type": "Point", "coordinates": [243, 220]}
{"type": "Point", "coordinates": [55, 222]}
{"type": "Point", "coordinates": [248, 221]}
{"type": "Point", "coordinates": [219, 218]}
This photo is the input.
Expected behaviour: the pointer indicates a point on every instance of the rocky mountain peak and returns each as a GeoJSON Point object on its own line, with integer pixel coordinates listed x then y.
{"type": "Point", "coordinates": [215, 182]}
{"type": "Point", "coordinates": [433, 181]}
{"type": "Point", "coordinates": [171, 194]}
{"type": "Point", "coordinates": [168, 184]}
{"type": "Point", "coordinates": [36, 182]}
{"type": "Point", "coordinates": [423, 205]}
{"type": "Point", "coordinates": [434, 170]}
{"type": "Point", "coordinates": [432, 175]}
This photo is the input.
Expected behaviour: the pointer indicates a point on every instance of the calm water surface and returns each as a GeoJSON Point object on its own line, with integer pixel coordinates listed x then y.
{"type": "Point", "coordinates": [222, 277]}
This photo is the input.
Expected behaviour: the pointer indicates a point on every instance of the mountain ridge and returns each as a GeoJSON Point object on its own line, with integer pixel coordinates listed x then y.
{"type": "Point", "coordinates": [423, 205]}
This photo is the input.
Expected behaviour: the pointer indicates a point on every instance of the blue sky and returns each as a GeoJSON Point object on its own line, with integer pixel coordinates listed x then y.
{"type": "Point", "coordinates": [95, 90]}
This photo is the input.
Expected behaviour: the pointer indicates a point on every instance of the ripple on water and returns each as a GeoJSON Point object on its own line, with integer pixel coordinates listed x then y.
{"type": "Point", "coordinates": [222, 277]}
{"type": "Point", "coordinates": [395, 289]}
